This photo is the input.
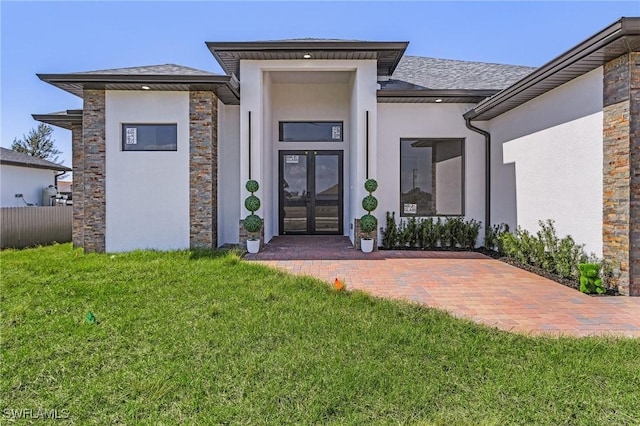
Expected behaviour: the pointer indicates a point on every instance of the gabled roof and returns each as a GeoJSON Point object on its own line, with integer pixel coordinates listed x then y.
{"type": "Point", "coordinates": [615, 40]}
{"type": "Point", "coordinates": [229, 54]}
{"type": "Point", "coordinates": [13, 158]}
{"type": "Point", "coordinates": [155, 77]}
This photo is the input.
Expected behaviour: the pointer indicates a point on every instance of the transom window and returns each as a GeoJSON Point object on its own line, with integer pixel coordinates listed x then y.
{"type": "Point", "coordinates": [311, 131]}
{"type": "Point", "coordinates": [431, 177]}
{"type": "Point", "coordinates": [150, 137]}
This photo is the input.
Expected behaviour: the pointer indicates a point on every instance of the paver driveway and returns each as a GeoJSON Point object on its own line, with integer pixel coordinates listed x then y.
{"type": "Point", "coordinates": [468, 285]}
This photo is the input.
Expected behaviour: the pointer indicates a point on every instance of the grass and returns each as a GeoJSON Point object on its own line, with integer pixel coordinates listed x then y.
{"type": "Point", "coordinates": [206, 338]}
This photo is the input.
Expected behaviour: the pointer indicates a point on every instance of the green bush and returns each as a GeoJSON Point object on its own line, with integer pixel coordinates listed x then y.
{"type": "Point", "coordinates": [590, 281]}
{"type": "Point", "coordinates": [252, 223]}
{"type": "Point", "coordinates": [252, 203]}
{"type": "Point", "coordinates": [369, 203]}
{"type": "Point", "coordinates": [252, 186]}
{"type": "Point", "coordinates": [413, 236]}
{"type": "Point", "coordinates": [559, 256]}
{"type": "Point", "coordinates": [370, 185]}
{"type": "Point", "coordinates": [368, 224]}
{"type": "Point", "coordinates": [390, 232]}
{"type": "Point", "coordinates": [492, 239]}
{"type": "Point", "coordinates": [427, 233]}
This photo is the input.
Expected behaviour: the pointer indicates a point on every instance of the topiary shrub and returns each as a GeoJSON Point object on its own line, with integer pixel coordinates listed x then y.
{"type": "Point", "coordinates": [252, 203]}
{"type": "Point", "coordinates": [368, 222]}
{"type": "Point", "coordinates": [370, 185]}
{"type": "Point", "coordinates": [252, 223]}
{"type": "Point", "coordinates": [590, 281]}
{"type": "Point", "coordinates": [252, 186]}
{"type": "Point", "coordinates": [369, 203]}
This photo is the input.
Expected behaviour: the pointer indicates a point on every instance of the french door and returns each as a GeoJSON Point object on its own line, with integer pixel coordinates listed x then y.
{"type": "Point", "coordinates": [311, 192]}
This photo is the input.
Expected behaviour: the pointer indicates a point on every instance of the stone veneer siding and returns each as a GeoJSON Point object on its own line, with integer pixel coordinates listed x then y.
{"type": "Point", "coordinates": [621, 191]}
{"type": "Point", "coordinates": [77, 230]}
{"type": "Point", "coordinates": [203, 169]}
{"type": "Point", "coordinates": [90, 215]}
{"type": "Point", "coordinates": [244, 235]}
{"type": "Point", "coordinates": [358, 235]}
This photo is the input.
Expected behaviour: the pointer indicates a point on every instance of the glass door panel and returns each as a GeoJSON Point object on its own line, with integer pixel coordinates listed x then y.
{"type": "Point", "coordinates": [328, 193]}
{"type": "Point", "coordinates": [311, 192]}
{"type": "Point", "coordinates": [295, 195]}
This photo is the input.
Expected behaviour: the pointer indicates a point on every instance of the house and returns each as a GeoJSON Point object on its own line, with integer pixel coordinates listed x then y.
{"type": "Point", "coordinates": [23, 178]}
{"type": "Point", "coordinates": [161, 153]}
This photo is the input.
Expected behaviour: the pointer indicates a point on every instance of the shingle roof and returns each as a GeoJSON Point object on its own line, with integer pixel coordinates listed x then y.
{"type": "Point", "coordinates": [10, 157]}
{"type": "Point", "coordinates": [168, 77]}
{"type": "Point", "coordinates": [165, 69]}
{"type": "Point", "coordinates": [433, 73]}
{"type": "Point", "coordinates": [314, 39]}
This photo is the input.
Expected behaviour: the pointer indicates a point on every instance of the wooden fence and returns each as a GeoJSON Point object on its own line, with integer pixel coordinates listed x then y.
{"type": "Point", "coordinates": [31, 226]}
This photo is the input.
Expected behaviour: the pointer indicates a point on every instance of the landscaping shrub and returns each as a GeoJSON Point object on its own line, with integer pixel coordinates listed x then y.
{"type": "Point", "coordinates": [427, 233]}
{"type": "Point", "coordinates": [590, 281]}
{"type": "Point", "coordinates": [544, 249]}
{"type": "Point", "coordinates": [390, 232]}
{"type": "Point", "coordinates": [492, 239]}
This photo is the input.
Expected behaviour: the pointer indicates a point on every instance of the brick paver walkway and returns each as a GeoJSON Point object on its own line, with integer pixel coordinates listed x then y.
{"type": "Point", "coordinates": [466, 284]}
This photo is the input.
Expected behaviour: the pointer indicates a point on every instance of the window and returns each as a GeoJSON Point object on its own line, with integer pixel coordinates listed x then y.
{"type": "Point", "coordinates": [149, 137]}
{"type": "Point", "coordinates": [431, 177]}
{"type": "Point", "coordinates": [311, 131]}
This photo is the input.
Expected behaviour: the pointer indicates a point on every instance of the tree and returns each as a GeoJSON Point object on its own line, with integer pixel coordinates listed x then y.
{"type": "Point", "coordinates": [38, 143]}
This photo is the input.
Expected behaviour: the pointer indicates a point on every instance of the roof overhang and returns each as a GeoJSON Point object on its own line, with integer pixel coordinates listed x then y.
{"type": "Point", "coordinates": [229, 54]}
{"type": "Point", "coordinates": [57, 168]}
{"type": "Point", "coordinates": [434, 95]}
{"type": "Point", "coordinates": [617, 39]}
{"type": "Point", "coordinates": [65, 119]}
{"type": "Point", "coordinates": [226, 87]}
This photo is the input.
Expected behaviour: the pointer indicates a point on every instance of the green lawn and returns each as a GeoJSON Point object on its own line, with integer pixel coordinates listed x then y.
{"type": "Point", "coordinates": [200, 338]}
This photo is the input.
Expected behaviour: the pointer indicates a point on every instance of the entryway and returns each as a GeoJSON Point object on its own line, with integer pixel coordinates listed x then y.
{"type": "Point", "coordinates": [311, 192]}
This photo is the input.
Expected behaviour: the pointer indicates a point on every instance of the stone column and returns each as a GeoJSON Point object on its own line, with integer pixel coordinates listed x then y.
{"type": "Point", "coordinates": [621, 191]}
{"type": "Point", "coordinates": [203, 169]}
{"type": "Point", "coordinates": [93, 210]}
{"type": "Point", "coordinates": [77, 147]}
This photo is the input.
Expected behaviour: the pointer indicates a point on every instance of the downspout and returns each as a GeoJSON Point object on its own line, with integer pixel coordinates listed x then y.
{"type": "Point", "coordinates": [55, 179]}
{"type": "Point", "coordinates": [487, 177]}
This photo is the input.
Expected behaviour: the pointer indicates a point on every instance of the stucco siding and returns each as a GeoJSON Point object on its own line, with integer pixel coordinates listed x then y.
{"type": "Point", "coordinates": [271, 99]}
{"type": "Point", "coordinates": [308, 102]}
{"type": "Point", "coordinates": [547, 162]}
{"type": "Point", "coordinates": [147, 193]}
{"type": "Point", "coordinates": [228, 173]}
{"type": "Point", "coordinates": [27, 181]}
{"type": "Point", "coordinates": [398, 121]}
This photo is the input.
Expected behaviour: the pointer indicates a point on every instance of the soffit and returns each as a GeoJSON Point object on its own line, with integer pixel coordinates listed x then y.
{"type": "Point", "coordinates": [305, 77]}
{"type": "Point", "coordinates": [226, 88]}
{"type": "Point", "coordinates": [229, 54]}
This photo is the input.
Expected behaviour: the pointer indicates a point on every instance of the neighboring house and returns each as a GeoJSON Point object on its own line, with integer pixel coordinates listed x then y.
{"type": "Point", "coordinates": [64, 186]}
{"type": "Point", "coordinates": [161, 154]}
{"type": "Point", "coordinates": [23, 177]}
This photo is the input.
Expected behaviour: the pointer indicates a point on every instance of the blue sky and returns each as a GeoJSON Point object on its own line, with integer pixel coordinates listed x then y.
{"type": "Point", "coordinates": [59, 37]}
